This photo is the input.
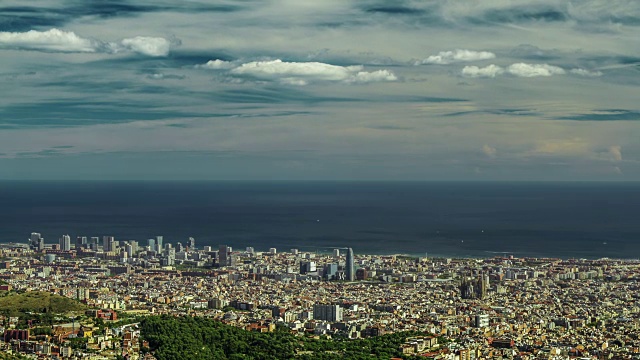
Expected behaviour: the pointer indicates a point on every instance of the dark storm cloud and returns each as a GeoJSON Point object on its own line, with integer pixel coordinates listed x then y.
{"type": "Point", "coordinates": [394, 10]}
{"type": "Point", "coordinates": [604, 115]}
{"type": "Point", "coordinates": [505, 112]}
{"type": "Point", "coordinates": [23, 18]}
{"type": "Point", "coordinates": [66, 113]}
{"type": "Point", "coordinates": [519, 14]}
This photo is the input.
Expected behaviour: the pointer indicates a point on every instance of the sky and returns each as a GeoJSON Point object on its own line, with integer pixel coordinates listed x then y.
{"type": "Point", "coordinates": [437, 90]}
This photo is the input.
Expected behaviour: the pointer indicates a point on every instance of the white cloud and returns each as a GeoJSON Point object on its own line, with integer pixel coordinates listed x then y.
{"type": "Point", "coordinates": [585, 72]}
{"type": "Point", "coordinates": [616, 153]}
{"type": "Point", "coordinates": [487, 71]}
{"type": "Point", "coordinates": [518, 69]}
{"type": "Point", "coordinates": [489, 151]}
{"type": "Point", "coordinates": [534, 70]}
{"type": "Point", "coordinates": [301, 73]}
{"type": "Point", "coordinates": [216, 65]}
{"type": "Point", "coordinates": [56, 40]}
{"type": "Point", "coordinates": [50, 40]}
{"type": "Point", "coordinates": [150, 46]}
{"type": "Point", "coordinates": [455, 56]}
{"type": "Point", "coordinates": [563, 147]}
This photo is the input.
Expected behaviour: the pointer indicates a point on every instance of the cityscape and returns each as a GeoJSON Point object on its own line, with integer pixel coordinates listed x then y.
{"type": "Point", "coordinates": [499, 307]}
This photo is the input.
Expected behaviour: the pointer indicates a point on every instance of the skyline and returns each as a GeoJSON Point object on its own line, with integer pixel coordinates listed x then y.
{"type": "Point", "coordinates": [337, 90]}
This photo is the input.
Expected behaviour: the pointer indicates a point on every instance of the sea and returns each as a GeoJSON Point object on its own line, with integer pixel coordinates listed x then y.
{"type": "Point", "coordinates": [435, 219]}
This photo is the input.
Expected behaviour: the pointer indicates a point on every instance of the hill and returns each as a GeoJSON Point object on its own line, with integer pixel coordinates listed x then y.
{"type": "Point", "coordinates": [175, 338]}
{"type": "Point", "coordinates": [15, 304]}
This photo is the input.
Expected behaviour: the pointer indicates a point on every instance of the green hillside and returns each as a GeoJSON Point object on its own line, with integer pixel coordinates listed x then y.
{"type": "Point", "coordinates": [196, 338]}
{"type": "Point", "coordinates": [38, 302]}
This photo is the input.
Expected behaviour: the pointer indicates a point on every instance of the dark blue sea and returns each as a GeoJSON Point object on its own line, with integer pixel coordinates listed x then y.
{"type": "Point", "coordinates": [471, 219]}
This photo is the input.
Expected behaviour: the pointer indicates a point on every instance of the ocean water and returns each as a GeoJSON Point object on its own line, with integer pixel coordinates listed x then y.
{"type": "Point", "coordinates": [471, 219]}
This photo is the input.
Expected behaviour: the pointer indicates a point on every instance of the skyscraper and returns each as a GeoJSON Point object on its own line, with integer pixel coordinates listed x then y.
{"type": "Point", "coordinates": [349, 270]}
{"type": "Point", "coordinates": [34, 240]}
{"type": "Point", "coordinates": [65, 243]}
{"type": "Point", "coordinates": [107, 241]}
{"type": "Point", "coordinates": [192, 244]}
{"type": "Point", "coordinates": [159, 240]}
{"type": "Point", "coordinates": [81, 241]}
{"type": "Point", "coordinates": [151, 243]}
{"type": "Point", "coordinates": [223, 255]}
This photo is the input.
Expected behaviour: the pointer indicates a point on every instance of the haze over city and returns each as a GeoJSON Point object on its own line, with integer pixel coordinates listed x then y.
{"type": "Point", "coordinates": [345, 90]}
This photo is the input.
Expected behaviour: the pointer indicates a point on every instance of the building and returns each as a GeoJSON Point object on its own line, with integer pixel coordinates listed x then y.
{"type": "Point", "coordinates": [330, 271]}
{"type": "Point", "coordinates": [474, 288]}
{"type": "Point", "coordinates": [307, 267]}
{"type": "Point", "coordinates": [482, 320]}
{"type": "Point", "coordinates": [350, 273]}
{"type": "Point", "coordinates": [81, 242]}
{"type": "Point", "coordinates": [151, 243]}
{"type": "Point", "coordinates": [107, 242]}
{"type": "Point", "coordinates": [332, 313]}
{"type": "Point", "coordinates": [159, 240]}
{"type": "Point", "coordinates": [36, 241]}
{"type": "Point", "coordinates": [65, 243]}
{"type": "Point", "coordinates": [224, 255]}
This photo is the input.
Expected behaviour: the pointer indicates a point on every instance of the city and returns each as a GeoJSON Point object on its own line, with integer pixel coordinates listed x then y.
{"type": "Point", "coordinates": [500, 307]}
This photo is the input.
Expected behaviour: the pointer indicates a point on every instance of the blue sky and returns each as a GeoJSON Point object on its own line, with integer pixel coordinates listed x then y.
{"type": "Point", "coordinates": [314, 90]}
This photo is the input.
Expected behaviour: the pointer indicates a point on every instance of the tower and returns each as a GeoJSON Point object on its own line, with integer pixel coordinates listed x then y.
{"type": "Point", "coordinates": [350, 272]}
{"type": "Point", "coordinates": [159, 240]}
{"type": "Point", "coordinates": [65, 243]}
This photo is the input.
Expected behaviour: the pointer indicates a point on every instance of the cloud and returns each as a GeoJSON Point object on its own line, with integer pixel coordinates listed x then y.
{"type": "Point", "coordinates": [487, 71]}
{"type": "Point", "coordinates": [518, 69]}
{"type": "Point", "coordinates": [150, 46]}
{"type": "Point", "coordinates": [216, 65]}
{"type": "Point", "coordinates": [51, 40]}
{"type": "Point", "coordinates": [534, 70]}
{"type": "Point", "coordinates": [455, 56]}
{"type": "Point", "coordinates": [56, 40]}
{"type": "Point", "coordinates": [564, 147]}
{"type": "Point", "coordinates": [489, 151]}
{"type": "Point", "coordinates": [604, 115]}
{"type": "Point", "coordinates": [585, 72]}
{"type": "Point", "coordinates": [617, 170]}
{"type": "Point", "coordinates": [616, 153]}
{"type": "Point", "coordinates": [301, 73]}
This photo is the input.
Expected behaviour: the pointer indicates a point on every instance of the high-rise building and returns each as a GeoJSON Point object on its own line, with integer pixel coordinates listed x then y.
{"type": "Point", "coordinates": [107, 242]}
{"type": "Point", "coordinates": [332, 313]}
{"type": "Point", "coordinates": [224, 255]}
{"type": "Point", "coordinates": [330, 271]}
{"type": "Point", "coordinates": [81, 242]}
{"type": "Point", "coordinates": [474, 288]}
{"type": "Point", "coordinates": [65, 243]}
{"type": "Point", "coordinates": [350, 273]}
{"type": "Point", "coordinates": [191, 243]}
{"type": "Point", "coordinates": [129, 249]}
{"type": "Point", "coordinates": [307, 267]}
{"type": "Point", "coordinates": [336, 253]}
{"type": "Point", "coordinates": [159, 240]}
{"type": "Point", "coordinates": [34, 240]}
{"type": "Point", "coordinates": [272, 251]}
{"type": "Point", "coordinates": [134, 247]}
{"type": "Point", "coordinates": [151, 243]}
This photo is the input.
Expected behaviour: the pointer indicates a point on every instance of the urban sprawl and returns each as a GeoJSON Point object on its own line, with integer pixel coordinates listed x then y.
{"type": "Point", "coordinates": [501, 307]}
